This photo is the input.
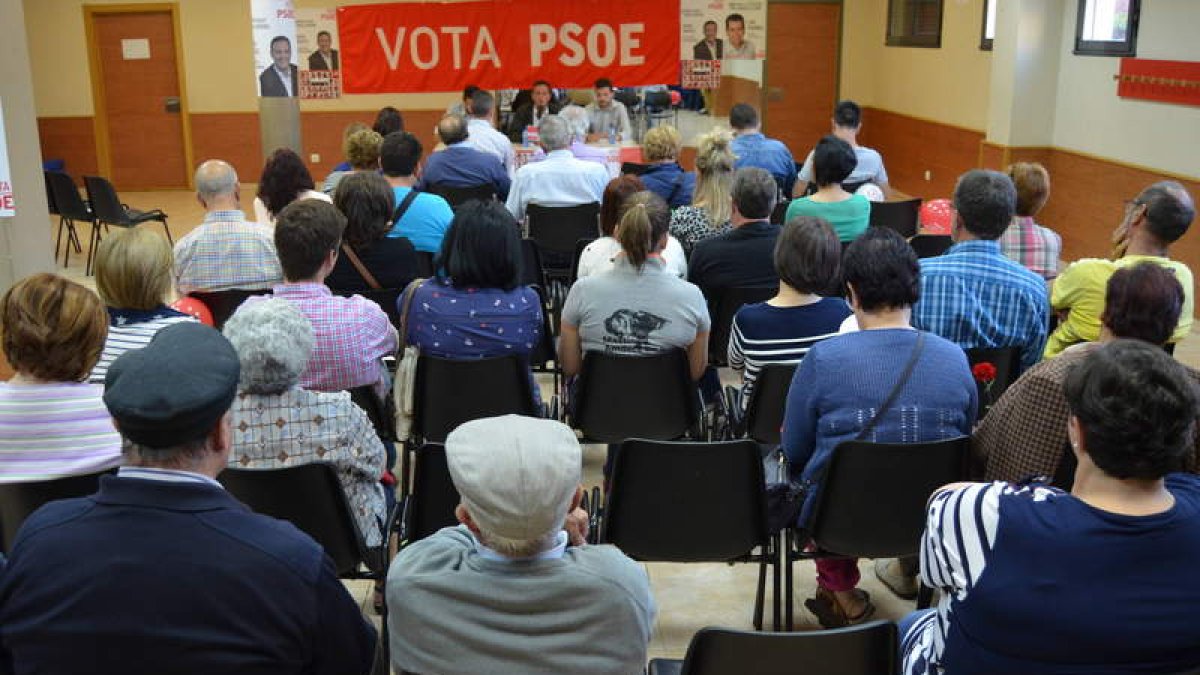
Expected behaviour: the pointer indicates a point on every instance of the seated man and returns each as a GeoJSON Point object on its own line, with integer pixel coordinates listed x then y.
{"type": "Point", "coordinates": [225, 252]}
{"type": "Point", "coordinates": [577, 122]}
{"type": "Point", "coordinates": [754, 149]}
{"type": "Point", "coordinates": [1099, 581]}
{"type": "Point", "coordinates": [463, 107]}
{"type": "Point", "coordinates": [162, 571]}
{"type": "Point", "coordinates": [541, 105]}
{"type": "Point", "coordinates": [1155, 219]}
{"type": "Point", "coordinates": [420, 217]}
{"type": "Point", "coordinates": [847, 122]}
{"type": "Point", "coordinates": [974, 296]}
{"type": "Point", "coordinates": [558, 180]}
{"type": "Point", "coordinates": [510, 590]}
{"type": "Point", "coordinates": [1025, 433]}
{"type": "Point", "coordinates": [482, 136]}
{"type": "Point", "coordinates": [461, 165]}
{"type": "Point", "coordinates": [744, 256]}
{"type": "Point", "coordinates": [350, 335]}
{"type": "Point", "coordinates": [609, 118]}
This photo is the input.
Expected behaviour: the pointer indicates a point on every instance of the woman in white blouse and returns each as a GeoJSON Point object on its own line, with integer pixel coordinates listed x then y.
{"type": "Point", "coordinates": [598, 256]}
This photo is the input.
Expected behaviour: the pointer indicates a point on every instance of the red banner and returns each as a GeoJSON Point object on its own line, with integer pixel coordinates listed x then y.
{"type": "Point", "coordinates": [507, 44]}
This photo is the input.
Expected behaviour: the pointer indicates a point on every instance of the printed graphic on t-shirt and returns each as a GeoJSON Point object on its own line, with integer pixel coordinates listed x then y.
{"type": "Point", "coordinates": [628, 331]}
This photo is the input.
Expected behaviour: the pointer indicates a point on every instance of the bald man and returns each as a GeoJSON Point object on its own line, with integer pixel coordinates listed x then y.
{"type": "Point", "coordinates": [460, 165]}
{"type": "Point", "coordinates": [225, 252]}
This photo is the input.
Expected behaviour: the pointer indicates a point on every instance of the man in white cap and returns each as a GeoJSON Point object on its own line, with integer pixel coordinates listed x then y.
{"type": "Point", "coordinates": [514, 588]}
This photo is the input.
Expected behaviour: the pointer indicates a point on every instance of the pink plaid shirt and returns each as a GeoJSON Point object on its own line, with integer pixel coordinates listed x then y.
{"type": "Point", "coordinates": [1035, 247]}
{"type": "Point", "coordinates": [350, 335]}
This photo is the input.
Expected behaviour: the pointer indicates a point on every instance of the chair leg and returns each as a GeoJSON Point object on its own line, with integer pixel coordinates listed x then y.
{"type": "Point", "coordinates": [58, 239]}
{"type": "Point", "coordinates": [786, 559]}
{"type": "Point", "coordinates": [758, 596]}
{"type": "Point", "coordinates": [93, 244]}
{"type": "Point", "coordinates": [405, 460]}
{"type": "Point", "coordinates": [775, 623]}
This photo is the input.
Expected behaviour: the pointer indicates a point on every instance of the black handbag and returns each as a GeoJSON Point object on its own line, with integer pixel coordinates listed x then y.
{"type": "Point", "coordinates": [786, 496]}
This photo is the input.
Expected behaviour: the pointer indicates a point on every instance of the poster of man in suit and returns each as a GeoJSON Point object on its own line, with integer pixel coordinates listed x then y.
{"type": "Point", "coordinates": [716, 30]}
{"type": "Point", "coordinates": [274, 28]}
{"type": "Point", "coordinates": [317, 39]}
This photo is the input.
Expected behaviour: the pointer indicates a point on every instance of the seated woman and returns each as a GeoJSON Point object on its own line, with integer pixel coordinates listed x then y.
{"type": "Point", "coordinates": [274, 423]}
{"type": "Point", "coordinates": [849, 214]}
{"type": "Point", "coordinates": [1035, 247]}
{"type": "Point", "coordinates": [663, 176]}
{"type": "Point", "coordinates": [362, 152]}
{"type": "Point", "coordinates": [842, 382]}
{"type": "Point", "coordinates": [477, 308]}
{"type": "Point", "coordinates": [708, 215]}
{"type": "Point", "coordinates": [1101, 580]}
{"type": "Point", "coordinates": [284, 180]}
{"type": "Point", "coordinates": [600, 255]}
{"type": "Point", "coordinates": [133, 277]}
{"type": "Point", "coordinates": [638, 284]}
{"type": "Point", "coordinates": [782, 330]}
{"type": "Point", "coordinates": [350, 129]}
{"type": "Point", "coordinates": [367, 201]}
{"type": "Point", "coordinates": [52, 422]}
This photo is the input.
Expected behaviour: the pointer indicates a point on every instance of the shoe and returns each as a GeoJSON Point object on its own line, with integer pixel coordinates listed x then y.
{"type": "Point", "coordinates": [831, 615]}
{"type": "Point", "coordinates": [891, 574]}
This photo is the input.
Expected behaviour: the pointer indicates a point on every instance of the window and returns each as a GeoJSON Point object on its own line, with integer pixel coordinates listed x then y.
{"type": "Point", "coordinates": [1106, 28]}
{"type": "Point", "coordinates": [989, 25]}
{"type": "Point", "coordinates": [914, 23]}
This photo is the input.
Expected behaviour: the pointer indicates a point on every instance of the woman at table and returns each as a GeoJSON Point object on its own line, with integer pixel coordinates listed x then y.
{"type": "Point", "coordinates": [663, 176]}
{"type": "Point", "coordinates": [708, 214]}
{"type": "Point", "coordinates": [849, 214]}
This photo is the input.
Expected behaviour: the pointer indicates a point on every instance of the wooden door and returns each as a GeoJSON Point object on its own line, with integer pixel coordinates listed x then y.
{"type": "Point", "coordinates": [139, 107]}
{"type": "Point", "coordinates": [802, 72]}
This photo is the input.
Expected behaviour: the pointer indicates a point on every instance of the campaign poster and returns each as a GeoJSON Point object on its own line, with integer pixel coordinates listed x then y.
{"type": "Point", "coordinates": [320, 58]}
{"type": "Point", "coordinates": [8, 207]}
{"type": "Point", "coordinates": [718, 30]}
{"type": "Point", "coordinates": [275, 49]}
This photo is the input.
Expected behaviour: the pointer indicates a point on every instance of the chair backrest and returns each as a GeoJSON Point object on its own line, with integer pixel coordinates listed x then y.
{"type": "Point", "coordinates": [620, 397]}
{"type": "Point", "coordinates": [633, 168]}
{"type": "Point", "coordinates": [867, 649]}
{"type": "Point", "coordinates": [899, 216]}
{"type": "Point", "coordinates": [50, 203]}
{"type": "Point", "coordinates": [457, 196]}
{"type": "Point", "coordinates": [764, 410]}
{"type": "Point", "coordinates": [723, 303]}
{"type": "Point", "coordinates": [930, 245]}
{"type": "Point", "coordinates": [872, 501]}
{"type": "Point", "coordinates": [719, 486]}
{"type": "Point", "coordinates": [579, 246]}
{"type": "Point", "coordinates": [104, 201]}
{"type": "Point", "coordinates": [779, 213]}
{"type": "Point", "coordinates": [658, 99]}
{"type": "Point", "coordinates": [545, 350]}
{"type": "Point", "coordinates": [1006, 360]}
{"type": "Point", "coordinates": [627, 96]}
{"type": "Point", "coordinates": [450, 392]}
{"type": "Point", "coordinates": [1064, 472]}
{"type": "Point", "coordinates": [433, 498]}
{"type": "Point", "coordinates": [531, 263]}
{"type": "Point", "coordinates": [66, 197]}
{"type": "Point", "coordinates": [372, 403]}
{"type": "Point", "coordinates": [309, 496]}
{"type": "Point", "coordinates": [222, 304]}
{"type": "Point", "coordinates": [425, 264]}
{"type": "Point", "coordinates": [557, 228]}
{"type": "Point", "coordinates": [19, 500]}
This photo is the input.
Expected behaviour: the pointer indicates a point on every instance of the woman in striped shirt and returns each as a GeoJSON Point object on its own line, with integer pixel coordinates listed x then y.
{"type": "Point", "coordinates": [53, 423]}
{"type": "Point", "coordinates": [133, 277]}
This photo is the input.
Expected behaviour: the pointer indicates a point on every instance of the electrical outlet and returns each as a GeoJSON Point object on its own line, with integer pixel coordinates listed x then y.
{"type": "Point", "coordinates": [928, 173]}
{"type": "Point", "coordinates": [316, 159]}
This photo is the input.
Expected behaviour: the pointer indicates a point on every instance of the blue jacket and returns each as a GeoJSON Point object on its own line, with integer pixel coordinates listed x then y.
{"type": "Point", "coordinates": [670, 182]}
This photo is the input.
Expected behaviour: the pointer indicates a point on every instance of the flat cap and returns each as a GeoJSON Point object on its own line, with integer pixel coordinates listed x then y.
{"type": "Point", "coordinates": [175, 389]}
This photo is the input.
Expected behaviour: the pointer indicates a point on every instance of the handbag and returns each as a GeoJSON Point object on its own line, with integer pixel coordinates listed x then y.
{"type": "Point", "coordinates": [786, 497]}
{"type": "Point", "coordinates": [405, 381]}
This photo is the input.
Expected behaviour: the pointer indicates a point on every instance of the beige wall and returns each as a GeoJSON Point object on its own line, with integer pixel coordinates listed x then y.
{"type": "Point", "coordinates": [949, 85]}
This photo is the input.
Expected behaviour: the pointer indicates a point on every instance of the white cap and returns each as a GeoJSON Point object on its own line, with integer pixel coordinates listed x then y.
{"type": "Point", "coordinates": [516, 475]}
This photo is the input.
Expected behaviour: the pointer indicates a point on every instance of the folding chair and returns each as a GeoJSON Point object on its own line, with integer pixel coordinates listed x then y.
{"type": "Point", "coordinates": [872, 503]}
{"type": "Point", "coordinates": [19, 500]}
{"type": "Point", "coordinates": [723, 303]}
{"type": "Point", "coordinates": [764, 410]}
{"type": "Point", "coordinates": [579, 246]}
{"type": "Point", "coordinates": [930, 245]}
{"type": "Point", "coordinates": [868, 649]}
{"type": "Point", "coordinates": [898, 216]}
{"type": "Point", "coordinates": [1007, 363]}
{"type": "Point", "coordinates": [556, 229]}
{"type": "Point", "coordinates": [620, 397]}
{"type": "Point", "coordinates": [63, 222]}
{"type": "Point", "coordinates": [222, 304]}
{"type": "Point", "coordinates": [718, 485]}
{"type": "Point", "coordinates": [71, 208]}
{"type": "Point", "coordinates": [110, 210]}
{"type": "Point", "coordinates": [430, 505]}
{"type": "Point", "coordinates": [459, 195]}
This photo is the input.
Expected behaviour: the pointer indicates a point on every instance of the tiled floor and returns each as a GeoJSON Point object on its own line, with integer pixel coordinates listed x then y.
{"type": "Point", "coordinates": [689, 597]}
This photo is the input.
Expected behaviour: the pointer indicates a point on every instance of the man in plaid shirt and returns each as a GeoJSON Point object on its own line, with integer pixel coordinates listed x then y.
{"type": "Point", "coordinates": [225, 252]}
{"type": "Point", "coordinates": [350, 335]}
{"type": "Point", "coordinates": [974, 296]}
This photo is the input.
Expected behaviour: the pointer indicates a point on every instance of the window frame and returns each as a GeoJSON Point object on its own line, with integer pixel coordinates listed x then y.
{"type": "Point", "coordinates": [929, 42]}
{"type": "Point", "coordinates": [985, 42]}
{"type": "Point", "coordinates": [1128, 47]}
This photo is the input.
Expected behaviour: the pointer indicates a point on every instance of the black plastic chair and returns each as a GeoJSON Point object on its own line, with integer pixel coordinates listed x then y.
{"type": "Point", "coordinates": [899, 216]}
{"type": "Point", "coordinates": [425, 264]}
{"type": "Point", "coordinates": [19, 500]}
{"type": "Point", "coordinates": [633, 168]}
{"type": "Point", "coordinates": [222, 304]}
{"type": "Point", "coordinates": [64, 223]}
{"type": "Point", "coordinates": [544, 357]}
{"type": "Point", "coordinates": [430, 505]}
{"type": "Point", "coordinates": [872, 502]}
{"type": "Point", "coordinates": [930, 245]}
{"type": "Point", "coordinates": [620, 397]}
{"type": "Point", "coordinates": [868, 649]}
{"type": "Point", "coordinates": [456, 196]}
{"type": "Point", "coordinates": [579, 246]}
{"type": "Point", "coordinates": [531, 264]}
{"type": "Point", "coordinates": [764, 410]}
{"type": "Point", "coordinates": [110, 210]}
{"type": "Point", "coordinates": [719, 486]}
{"type": "Point", "coordinates": [71, 209]}
{"type": "Point", "coordinates": [555, 229]}
{"type": "Point", "coordinates": [657, 106]}
{"type": "Point", "coordinates": [377, 410]}
{"type": "Point", "coordinates": [1007, 361]}
{"type": "Point", "coordinates": [779, 213]}
{"type": "Point", "coordinates": [723, 303]}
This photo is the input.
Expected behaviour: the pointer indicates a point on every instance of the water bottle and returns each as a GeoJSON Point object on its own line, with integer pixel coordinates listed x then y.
{"type": "Point", "coordinates": [525, 137]}
{"type": "Point", "coordinates": [612, 135]}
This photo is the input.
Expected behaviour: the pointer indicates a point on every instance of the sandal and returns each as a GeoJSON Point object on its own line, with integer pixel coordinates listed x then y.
{"type": "Point", "coordinates": [831, 615]}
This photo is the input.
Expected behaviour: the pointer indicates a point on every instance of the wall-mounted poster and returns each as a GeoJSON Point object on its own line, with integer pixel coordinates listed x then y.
{"type": "Point", "coordinates": [319, 56]}
{"type": "Point", "coordinates": [8, 207]}
{"type": "Point", "coordinates": [274, 26]}
{"type": "Point", "coordinates": [718, 30]}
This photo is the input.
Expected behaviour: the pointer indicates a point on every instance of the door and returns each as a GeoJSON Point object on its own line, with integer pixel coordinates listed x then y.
{"type": "Point", "coordinates": [138, 99]}
{"type": "Point", "coordinates": [802, 72]}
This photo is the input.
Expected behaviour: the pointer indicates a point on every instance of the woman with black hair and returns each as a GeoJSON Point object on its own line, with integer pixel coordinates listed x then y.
{"type": "Point", "coordinates": [368, 201]}
{"type": "Point", "coordinates": [284, 180]}
{"type": "Point", "coordinates": [1101, 580]}
{"type": "Point", "coordinates": [849, 214]}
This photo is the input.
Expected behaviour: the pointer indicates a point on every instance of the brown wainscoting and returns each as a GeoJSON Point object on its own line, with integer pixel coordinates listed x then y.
{"type": "Point", "coordinates": [71, 139]}
{"type": "Point", "coordinates": [231, 136]}
{"type": "Point", "coordinates": [911, 146]}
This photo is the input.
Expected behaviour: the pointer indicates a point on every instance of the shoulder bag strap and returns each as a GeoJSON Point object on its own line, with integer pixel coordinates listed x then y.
{"type": "Point", "coordinates": [409, 292]}
{"type": "Point", "coordinates": [358, 265]}
{"type": "Point", "coordinates": [891, 398]}
{"type": "Point", "coordinates": [403, 208]}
